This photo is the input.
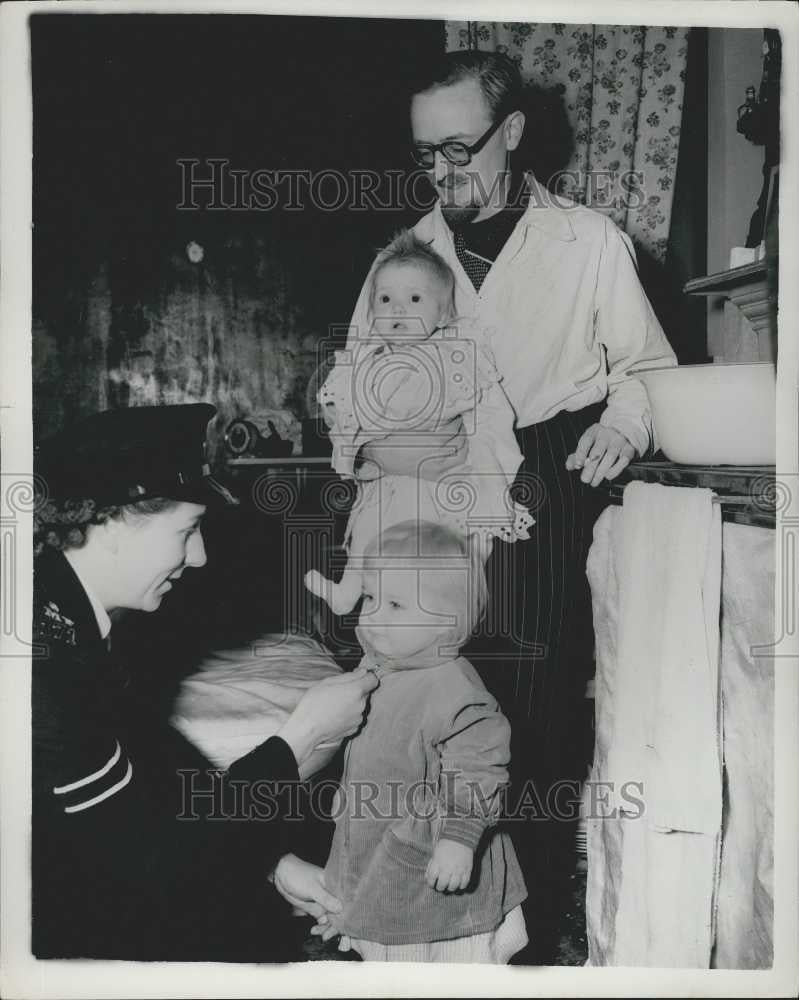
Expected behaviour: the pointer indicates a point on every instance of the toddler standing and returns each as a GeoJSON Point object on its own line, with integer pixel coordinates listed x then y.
{"type": "Point", "coordinates": [417, 859]}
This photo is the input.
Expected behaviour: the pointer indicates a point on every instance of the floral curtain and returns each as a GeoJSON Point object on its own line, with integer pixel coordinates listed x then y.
{"type": "Point", "coordinates": [623, 89]}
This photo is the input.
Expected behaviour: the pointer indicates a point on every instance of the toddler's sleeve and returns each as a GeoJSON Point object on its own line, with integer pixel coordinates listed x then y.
{"type": "Point", "coordinates": [475, 753]}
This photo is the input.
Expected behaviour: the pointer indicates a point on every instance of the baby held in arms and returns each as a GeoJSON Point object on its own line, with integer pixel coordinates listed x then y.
{"type": "Point", "coordinates": [424, 872]}
{"type": "Point", "coordinates": [418, 368]}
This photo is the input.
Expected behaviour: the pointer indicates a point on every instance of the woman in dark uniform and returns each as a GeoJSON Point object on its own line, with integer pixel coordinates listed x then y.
{"type": "Point", "coordinates": [123, 867]}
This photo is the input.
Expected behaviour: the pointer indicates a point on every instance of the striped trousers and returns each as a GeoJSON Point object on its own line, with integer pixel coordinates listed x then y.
{"type": "Point", "coordinates": [536, 647]}
{"type": "Point", "coordinates": [554, 652]}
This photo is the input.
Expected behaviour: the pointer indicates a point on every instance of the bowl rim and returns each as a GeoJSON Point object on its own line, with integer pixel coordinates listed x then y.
{"type": "Point", "coordinates": [711, 364]}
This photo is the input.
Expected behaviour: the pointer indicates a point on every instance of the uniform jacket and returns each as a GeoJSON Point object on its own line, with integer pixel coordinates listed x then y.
{"type": "Point", "coordinates": [125, 863]}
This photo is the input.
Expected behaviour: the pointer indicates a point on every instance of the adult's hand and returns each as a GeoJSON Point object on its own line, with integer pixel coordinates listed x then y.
{"type": "Point", "coordinates": [423, 456]}
{"type": "Point", "coordinates": [303, 886]}
{"type": "Point", "coordinates": [327, 712]}
{"type": "Point", "coordinates": [602, 453]}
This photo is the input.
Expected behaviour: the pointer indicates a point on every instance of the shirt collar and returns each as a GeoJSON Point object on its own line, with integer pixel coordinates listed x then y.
{"type": "Point", "coordinates": [545, 211]}
{"type": "Point", "coordinates": [103, 621]}
{"type": "Point", "coordinates": [548, 212]}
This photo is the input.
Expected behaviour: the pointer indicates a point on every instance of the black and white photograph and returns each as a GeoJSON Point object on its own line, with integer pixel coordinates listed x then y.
{"type": "Point", "coordinates": [399, 497]}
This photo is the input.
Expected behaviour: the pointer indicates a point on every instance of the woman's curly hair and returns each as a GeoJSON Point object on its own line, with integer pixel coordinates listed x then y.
{"type": "Point", "coordinates": [64, 524]}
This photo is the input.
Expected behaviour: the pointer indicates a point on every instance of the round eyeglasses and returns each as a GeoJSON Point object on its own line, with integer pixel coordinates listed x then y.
{"type": "Point", "coordinates": [459, 154]}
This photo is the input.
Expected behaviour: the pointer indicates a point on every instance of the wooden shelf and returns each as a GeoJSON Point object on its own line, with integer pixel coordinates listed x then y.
{"type": "Point", "coordinates": [727, 281]}
{"type": "Point", "coordinates": [289, 460]}
{"type": "Point", "coordinates": [754, 298]}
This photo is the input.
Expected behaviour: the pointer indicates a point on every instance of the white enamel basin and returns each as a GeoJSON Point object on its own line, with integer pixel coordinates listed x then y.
{"type": "Point", "coordinates": [714, 414]}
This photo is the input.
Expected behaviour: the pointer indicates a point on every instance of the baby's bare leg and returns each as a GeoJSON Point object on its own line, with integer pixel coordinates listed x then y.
{"type": "Point", "coordinates": [341, 597]}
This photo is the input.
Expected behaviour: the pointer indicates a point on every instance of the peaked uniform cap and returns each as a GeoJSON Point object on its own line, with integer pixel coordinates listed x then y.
{"type": "Point", "coordinates": [123, 456]}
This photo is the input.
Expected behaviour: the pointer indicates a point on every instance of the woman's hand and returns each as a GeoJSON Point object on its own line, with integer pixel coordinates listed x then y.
{"type": "Point", "coordinates": [421, 455]}
{"type": "Point", "coordinates": [328, 711]}
{"type": "Point", "coordinates": [303, 886]}
{"type": "Point", "coordinates": [602, 453]}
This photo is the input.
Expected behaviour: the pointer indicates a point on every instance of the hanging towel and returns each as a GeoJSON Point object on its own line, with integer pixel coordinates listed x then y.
{"type": "Point", "coordinates": [650, 894]}
{"type": "Point", "coordinates": [667, 677]}
{"type": "Point", "coordinates": [653, 875]}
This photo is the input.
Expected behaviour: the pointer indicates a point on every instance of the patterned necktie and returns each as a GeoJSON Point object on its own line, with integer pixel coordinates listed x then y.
{"type": "Point", "coordinates": [476, 267]}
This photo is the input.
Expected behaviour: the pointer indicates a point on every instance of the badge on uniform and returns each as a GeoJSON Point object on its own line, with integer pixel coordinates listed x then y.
{"type": "Point", "coordinates": [56, 626]}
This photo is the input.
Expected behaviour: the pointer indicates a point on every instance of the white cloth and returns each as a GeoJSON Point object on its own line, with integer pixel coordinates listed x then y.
{"type": "Point", "coordinates": [666, 702]}
{"type": "Point", "coordinates": [621, 851]}
{"type": "Point", "coordinates": [237, 698]}
{"type": "Point", "coordinates": [654, 569]}
{"type": "Point", "coordinates": [745, 914]}
{"type": "Point", "coordinates": [495, 947]}
{"type": "Point", "coordinates": [565, 312]}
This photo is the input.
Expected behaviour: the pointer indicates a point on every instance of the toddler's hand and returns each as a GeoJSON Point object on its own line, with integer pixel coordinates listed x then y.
{"type": "Point", "coordinates": [450, 868]}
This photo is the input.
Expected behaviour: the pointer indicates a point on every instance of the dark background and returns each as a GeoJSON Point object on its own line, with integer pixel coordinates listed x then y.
{"type": "Point", "coordinates": [118, 100]}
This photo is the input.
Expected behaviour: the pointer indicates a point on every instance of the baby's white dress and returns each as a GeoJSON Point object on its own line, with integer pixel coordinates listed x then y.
{"type": "Point", "coordinates": [376, 390]}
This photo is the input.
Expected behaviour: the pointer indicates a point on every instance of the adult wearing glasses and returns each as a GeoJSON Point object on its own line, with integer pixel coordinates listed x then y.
{"type": "Point", "coordinates": [556, 287]}
{"type": "Point", "coordinates": [127, 863]}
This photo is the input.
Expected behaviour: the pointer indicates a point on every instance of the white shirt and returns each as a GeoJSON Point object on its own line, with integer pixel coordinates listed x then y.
{"type": "Point", "coordinates": [103, 621]}
{"type": "Point", "coordinates": [565, 314]}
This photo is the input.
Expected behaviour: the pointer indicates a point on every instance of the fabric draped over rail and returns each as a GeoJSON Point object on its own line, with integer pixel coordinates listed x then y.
{"type": "Point", "coordinates": [623, 89]}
